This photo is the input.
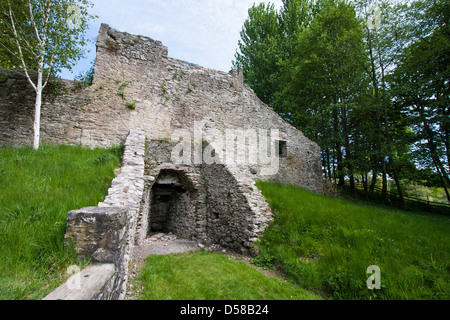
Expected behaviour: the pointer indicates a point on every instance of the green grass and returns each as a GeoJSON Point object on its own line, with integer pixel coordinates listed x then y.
{"type": "Point", "coordinates": [203, 275]}
{"type": "Point", "coordinates": [326, 245]}
{"type": "Point", "coordinates": [38, 189]}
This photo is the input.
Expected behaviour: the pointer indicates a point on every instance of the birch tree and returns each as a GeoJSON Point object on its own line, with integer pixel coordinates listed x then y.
{"type": "Point", "coordinates": [42, 37]}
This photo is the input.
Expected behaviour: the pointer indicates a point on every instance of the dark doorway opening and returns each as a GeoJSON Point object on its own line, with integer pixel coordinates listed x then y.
{"type": "Point", "coordinates": [172, 206]}
{"type": "Point", "coordinates": [165, 200]}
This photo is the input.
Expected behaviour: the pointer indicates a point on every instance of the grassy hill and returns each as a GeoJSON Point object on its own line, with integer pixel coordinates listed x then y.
{"type": "Point", "coordinates": [327, 244]}
{"type": "Point", "coordinates": [213, 276]}
{"type": "Point", "coordinates": [38, 189]}
{"type": "Point", "coordinates": [322, 246]}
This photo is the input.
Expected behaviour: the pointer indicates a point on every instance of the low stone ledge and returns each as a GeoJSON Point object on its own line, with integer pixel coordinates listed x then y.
{"type": "Point", "coordinates": [92, 283]}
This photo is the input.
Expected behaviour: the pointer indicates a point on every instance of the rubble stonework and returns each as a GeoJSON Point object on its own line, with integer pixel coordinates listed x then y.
{"type": "Point", "coordinates": [147, 100]}
{"type": "Point", "coordinates": [106, 233]}
{"type": "Point", "coordinates": [168, 94]}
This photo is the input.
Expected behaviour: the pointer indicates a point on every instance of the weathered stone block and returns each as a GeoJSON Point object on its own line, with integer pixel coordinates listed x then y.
{"type": "Point", "coordinates": [98, 232]}
{"type": "Point", "coordinates": [93, 283]}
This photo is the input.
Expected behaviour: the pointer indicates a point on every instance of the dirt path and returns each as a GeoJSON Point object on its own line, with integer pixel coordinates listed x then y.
{"type": "Point", "coordinates": [162, 244]}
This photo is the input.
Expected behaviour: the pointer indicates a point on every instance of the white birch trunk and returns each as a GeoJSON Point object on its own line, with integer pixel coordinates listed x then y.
{"type": "Point", "coordinates": [37, 111]}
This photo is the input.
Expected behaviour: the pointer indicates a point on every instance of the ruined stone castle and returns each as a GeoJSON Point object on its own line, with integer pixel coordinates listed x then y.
{"type": "Point", "coordinates": [196, 140]}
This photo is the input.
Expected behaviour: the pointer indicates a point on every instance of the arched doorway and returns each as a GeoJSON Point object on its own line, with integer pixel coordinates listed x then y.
{"type": "Point", "coordinates": [174, 205]}
{"type": "Point", "coordinates": [167, 193]}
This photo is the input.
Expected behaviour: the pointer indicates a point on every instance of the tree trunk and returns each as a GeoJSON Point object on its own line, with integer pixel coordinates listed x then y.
{"type": "Point", "coordinates": [381, 155]}
{"type": "Point", "coordinates": [443, 176]}
{"type": "Point", "coordinates": [366, 184]}
{"type": "Point", "coordinates": [339, 157]}
{"type": "Point", "coordinates": [340, 168]}
{"type": "Point", "coordinates": [37, 110]}
{"type": "Point", "coordinates": [348, 153]}
{"type": "Point", "coordinates": [374, 181]}
{"type": "Point", "coordinates": [327, 152]}
{"type": "Point", "coordinates": [391, 158]}
{"type": "Point", "coordinates": [447, 146]}
{"type": "Point", "coordinates": [399, 188]}
{"type": "Point", "coordinates": [388, 139]}
{"type": "Point", "coordinates": [384, 193]}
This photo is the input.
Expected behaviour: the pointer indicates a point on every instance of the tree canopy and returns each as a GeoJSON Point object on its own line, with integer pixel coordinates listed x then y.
{"type": "Point", "coordinates": [42, 36]}
{"type": "Point", "coordinates": [366, 79]}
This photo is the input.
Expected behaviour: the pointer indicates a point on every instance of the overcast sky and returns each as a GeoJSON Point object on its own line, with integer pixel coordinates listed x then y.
{"type": "Point", "coordinates": [204, 32]}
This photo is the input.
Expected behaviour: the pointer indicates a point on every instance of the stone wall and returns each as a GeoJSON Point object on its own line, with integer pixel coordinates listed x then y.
{"type": "Point", "coordinates": [236, 218]}
{"type": "Point", "coordinates": [62, 110]}
{"type": "Point", "coordinates": [186, 218]}
{"type": "Point", "coordinates": [105, 234]}
{"type": "Point", "coordinates": [168, 94]}
{"type": "Point", "coordinates": [127, 190]}
{"type": "Point", "coordinates": [214, 205]}
{"type": "Point", "coordinates": [100, 235]}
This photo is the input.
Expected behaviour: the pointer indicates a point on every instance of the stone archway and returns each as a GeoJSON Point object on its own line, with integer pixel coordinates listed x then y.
{"type": "Point", "coordinates": [176, 205]}
{"type": "Point", "coordinates": [170, 202]}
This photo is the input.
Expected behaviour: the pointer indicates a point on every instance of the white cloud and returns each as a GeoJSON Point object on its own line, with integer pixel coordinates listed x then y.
{"type": "Point", "coordinates": [205, 32]}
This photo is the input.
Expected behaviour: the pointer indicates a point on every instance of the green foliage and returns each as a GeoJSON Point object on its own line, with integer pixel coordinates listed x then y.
{"type": "Point", "coordinates": [421, 87]}
{"type": "Point", "coordinates": [131, 105]}
{"type": "Point", "coordinates": [55, 88]}
{"type": "Point", "coordinates": [164, 93]}
{"type": "Point", "coordinates": [327, 244]}
{"type": "Point", "coordinates": [8, 53]}
{"type": "Point", "coordinates": [112, 45]}
{"type": "Point", "coordinates": [85, 79]}
{"type": "Point", "coordinates": [163, 87]}
{"type": "Point", "coordinates": [58, 45]}
{"type": "Point", "coordinates": [121, 94]}
{"type": "Point", "coordinates": [122, 87]}
{"type": "Point", "coordinates": [44, 37]}
{"type": "Point", "coordinates": [39, 188]}
{"type": "Point", "coordinates": [191, 87]}
{"type": "Point", "coordinates": [327, 70]}
{"type": "Point", "coordinates": [264, 260]}
{"type": "Point", "coordinates": [258, 57]}
{"type": "Point", "coordinates": [212, 276]}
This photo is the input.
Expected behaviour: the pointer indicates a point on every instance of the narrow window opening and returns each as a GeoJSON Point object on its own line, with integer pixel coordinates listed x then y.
{"type": "Point", "coordinates": [282, 149]}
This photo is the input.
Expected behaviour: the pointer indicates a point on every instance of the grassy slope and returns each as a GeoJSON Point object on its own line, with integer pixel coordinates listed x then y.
{"type": "Point", "coordinates": [212, 276]}
{"type": "Point", "coordinates": [37, 191]}
{"type": "Point", "coordinates": [323, 244]}
{"type": "Point", "coordinates": [327, 244]}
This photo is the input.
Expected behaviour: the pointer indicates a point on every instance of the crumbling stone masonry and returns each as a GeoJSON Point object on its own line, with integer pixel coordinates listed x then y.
{"type": "Point", "coordinates": [181, 124]}
{"type": "Point", "coordinates": [206, 203]}
{"type": "Point", "coordinates": [168, 94]}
